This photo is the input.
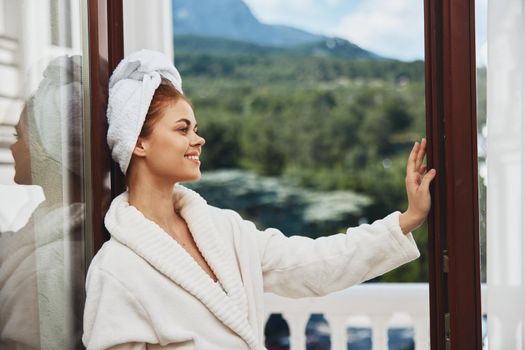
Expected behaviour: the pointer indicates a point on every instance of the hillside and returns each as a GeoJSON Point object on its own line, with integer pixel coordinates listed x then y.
{"type": "Point", "coordinates": [230, 24]}
{"type": "Point", "coordinates": [213, 45]}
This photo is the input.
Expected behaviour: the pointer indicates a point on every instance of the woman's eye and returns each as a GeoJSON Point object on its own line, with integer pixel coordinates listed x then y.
{"type": "Point", "coordinates": [184, 130]}
{"type": "Point", "coordinates": [15, 134]}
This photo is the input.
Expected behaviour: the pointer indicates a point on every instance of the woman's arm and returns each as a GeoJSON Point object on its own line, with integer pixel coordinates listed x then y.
{"type": "Point", "coordinates": [129, 346]}
{"type": "Point", "coordinates": [299, 266]}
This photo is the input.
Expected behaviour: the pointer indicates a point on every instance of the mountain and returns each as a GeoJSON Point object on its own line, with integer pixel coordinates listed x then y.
{"type": "Point", "coordinates": [198, 44]}
{"type": "Point", "coordinates": [232, 19]}
{"type": "Point", "coordinates": [209, 21]}
{"type": "Point", "coordinates": [333, 47]}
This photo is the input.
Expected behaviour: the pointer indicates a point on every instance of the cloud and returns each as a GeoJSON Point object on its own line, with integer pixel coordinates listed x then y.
{"type": "Point", "coordinates": [305, 14]}
{"type": "Point", "coordinates": [294, 5]}
{"type": "Point", "coordinates": [262, 8]}
{"type": "Point", "coordinates": [393, 28]}
{"type": "Point", "coordinates": [333, 3]}
{"type": "Point", "coordinates": [269, 9]}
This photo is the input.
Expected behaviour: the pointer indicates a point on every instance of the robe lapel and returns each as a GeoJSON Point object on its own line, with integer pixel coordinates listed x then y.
{"type": "Point", "coordinates": [151, 242]}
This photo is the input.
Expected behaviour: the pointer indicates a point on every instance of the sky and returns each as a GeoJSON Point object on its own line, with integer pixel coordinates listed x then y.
{"type": "Point", "coordinates": [392, 28]}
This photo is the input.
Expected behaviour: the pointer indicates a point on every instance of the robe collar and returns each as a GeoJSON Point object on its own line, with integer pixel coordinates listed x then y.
{"type": "Point", "coordinates": [129, 226]}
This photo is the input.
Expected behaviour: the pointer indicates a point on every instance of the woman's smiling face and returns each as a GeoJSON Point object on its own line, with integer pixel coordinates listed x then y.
{"type": "Point", "coordinates": [173, 148]}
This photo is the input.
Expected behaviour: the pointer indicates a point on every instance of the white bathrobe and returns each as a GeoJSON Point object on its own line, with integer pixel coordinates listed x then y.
{"type": "Point", "coordinates": [145, 291]}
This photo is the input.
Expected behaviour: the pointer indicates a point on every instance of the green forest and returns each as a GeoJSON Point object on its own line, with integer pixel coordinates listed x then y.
{"type": "Point", "coordinates": [320, 122]}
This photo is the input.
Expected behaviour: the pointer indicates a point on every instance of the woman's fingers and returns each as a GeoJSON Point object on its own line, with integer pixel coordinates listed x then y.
{"type": "Point", "coordinates": [418, 180]}
{"type": "Point", "coordinates": [425, 183]}
{"type": "Point", "coordinates": [415, 160]}
{"type": "Point", "coordinates": [411, 163]}
{"type": "Point", "coordinates": [421, 154]}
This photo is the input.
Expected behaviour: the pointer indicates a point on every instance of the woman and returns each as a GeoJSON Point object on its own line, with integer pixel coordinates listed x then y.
{"type": "Point", "coordinates": [178, 273]}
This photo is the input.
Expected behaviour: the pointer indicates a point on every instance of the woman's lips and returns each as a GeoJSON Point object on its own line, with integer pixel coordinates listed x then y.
{"type": "Point", "coordinates": [195, 161]}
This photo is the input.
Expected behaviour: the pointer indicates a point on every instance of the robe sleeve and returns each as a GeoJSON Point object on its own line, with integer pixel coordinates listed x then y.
{"type": "Point", "coordinates": [299, 266]}
{"type": "Point", "coordinates": [113, 317]}
{"type": "Point", "coordinates": [129, 346]}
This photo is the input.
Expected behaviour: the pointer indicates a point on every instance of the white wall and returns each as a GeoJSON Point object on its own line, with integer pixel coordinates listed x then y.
{"type": "Point", "coordinates": [148, 25]}
{"type": "Point", "coordinates": [506, 174]}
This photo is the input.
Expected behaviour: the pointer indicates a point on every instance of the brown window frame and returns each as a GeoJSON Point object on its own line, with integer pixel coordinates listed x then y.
{"type": "Point", "coordinates": [450, 77]}
{"type": "Point", "coordinates": [106, 49]}
{"type": "Point", "coordinates": [450, 80]}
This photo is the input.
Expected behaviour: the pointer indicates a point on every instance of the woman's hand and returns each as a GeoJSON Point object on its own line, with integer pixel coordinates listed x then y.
{"type": "Point", "coordinates": [417, 185]}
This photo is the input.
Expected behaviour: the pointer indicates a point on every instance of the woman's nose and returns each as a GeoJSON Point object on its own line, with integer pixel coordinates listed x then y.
{"type": "Point", "coordinates": [13, 146]}
{"type": "Point", "coordinates": [199, 140]}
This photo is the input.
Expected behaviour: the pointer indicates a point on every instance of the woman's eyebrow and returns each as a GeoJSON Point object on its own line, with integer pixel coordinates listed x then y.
{"type": "Point", "coordinates": [186, 121]}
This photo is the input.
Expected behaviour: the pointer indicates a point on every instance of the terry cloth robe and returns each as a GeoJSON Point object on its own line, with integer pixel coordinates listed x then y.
{"type": "Point", "coordinates": [145, 291]}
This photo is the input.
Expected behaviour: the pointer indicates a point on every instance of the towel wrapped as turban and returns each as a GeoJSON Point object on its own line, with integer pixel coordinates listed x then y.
{"type": "Point", "coordinates": [131, 89]}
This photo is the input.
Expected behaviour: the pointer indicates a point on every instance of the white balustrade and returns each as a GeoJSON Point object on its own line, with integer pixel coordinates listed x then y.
{"type": "Point", "coordinates": [379, 306]}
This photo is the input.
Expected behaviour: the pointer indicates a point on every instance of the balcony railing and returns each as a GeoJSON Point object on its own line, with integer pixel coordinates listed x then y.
{"type": "Point", "coordinates": [379, 306]}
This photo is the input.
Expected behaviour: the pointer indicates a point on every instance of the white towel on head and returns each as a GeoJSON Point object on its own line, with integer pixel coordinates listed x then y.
{"type": "Point", "coordinates": [131, 89]}
{"type": "Point", "coordinates": [55, 114]}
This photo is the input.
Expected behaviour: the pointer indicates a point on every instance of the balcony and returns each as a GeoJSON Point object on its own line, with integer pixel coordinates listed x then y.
{"type": "Point", "coordinates": [378, 306]}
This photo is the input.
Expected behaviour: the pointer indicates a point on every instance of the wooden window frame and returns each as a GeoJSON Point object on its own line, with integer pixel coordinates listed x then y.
{"type": "Point", "coordinates": [106, 49]}
{"type": "Point", "coordinates": [450, 80]}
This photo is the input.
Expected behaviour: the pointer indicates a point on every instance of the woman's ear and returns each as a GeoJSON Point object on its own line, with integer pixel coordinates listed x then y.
{"type": "Point", "coordinates": [140, 148]}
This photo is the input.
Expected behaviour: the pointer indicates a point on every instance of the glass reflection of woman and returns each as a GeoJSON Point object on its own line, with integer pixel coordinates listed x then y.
{"type": "Point", "coordinates": [179, 273]}
{"type": "Point", "coordinates": [41, 276]}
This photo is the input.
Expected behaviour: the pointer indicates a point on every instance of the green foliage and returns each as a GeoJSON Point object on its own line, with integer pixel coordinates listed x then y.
{"type": "Point", "coordinates": [323, 123]}
{"type": "Point", "coordinates": [219, 58]}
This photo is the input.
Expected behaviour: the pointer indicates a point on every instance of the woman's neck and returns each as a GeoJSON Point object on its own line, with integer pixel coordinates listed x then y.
{"type": "Point", "coordinates": [153, 197]}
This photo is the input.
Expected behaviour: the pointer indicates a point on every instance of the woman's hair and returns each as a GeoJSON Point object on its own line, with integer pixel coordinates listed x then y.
{"type": "Point", "coordinates": [165, 95]}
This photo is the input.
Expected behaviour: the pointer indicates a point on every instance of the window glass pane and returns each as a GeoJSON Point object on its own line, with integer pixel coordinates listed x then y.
{"type": "Point", "coordinates": [60, 22]}
{"type": "Point", "coordinates": [481, 106]}
{"type": "Point", "coordinates": [41, 177]}
{"type": "Point", "coordinates": [310, 109]}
